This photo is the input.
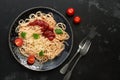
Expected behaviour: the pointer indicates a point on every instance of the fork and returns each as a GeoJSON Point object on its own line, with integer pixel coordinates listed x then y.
{"type": "Point", "coordinates": [90, 36]}
{"type": "Point", "coordinates": [83, 51]}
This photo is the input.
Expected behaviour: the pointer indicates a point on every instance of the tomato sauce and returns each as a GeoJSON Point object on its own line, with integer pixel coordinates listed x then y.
{"type": "Point", "coordinates": [45, 28]}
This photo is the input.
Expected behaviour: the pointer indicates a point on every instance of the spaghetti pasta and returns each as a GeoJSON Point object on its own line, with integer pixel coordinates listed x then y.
{"type": "Point", "coordinates": [43, 36]}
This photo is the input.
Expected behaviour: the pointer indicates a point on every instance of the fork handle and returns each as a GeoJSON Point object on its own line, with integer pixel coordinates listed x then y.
{"type": "Point", "coordinates": [65, 67]}
{"type": "Point", "coordinates": [68, 75]}
{"type": "Point", "coordinates": [76, 62]}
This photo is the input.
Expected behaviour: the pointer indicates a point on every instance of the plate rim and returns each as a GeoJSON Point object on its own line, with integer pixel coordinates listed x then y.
{"type": "Point", "coordinates": [44, 8]}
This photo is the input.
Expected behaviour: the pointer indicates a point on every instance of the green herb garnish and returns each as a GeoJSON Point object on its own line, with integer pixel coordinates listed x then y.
{"type": "Point", "coordinates": [41, 53]}
{"type": "Point", "coordinates": [36, 36]}
{"type": "Point", "coordinates": [58, 31]}
{"type": "Point", "coordinates": [23, 34]}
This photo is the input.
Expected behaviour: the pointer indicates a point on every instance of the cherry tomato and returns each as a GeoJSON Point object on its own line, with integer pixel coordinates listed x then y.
{"type": "Point", "coordinates": [18, 42]}
{"type": "Point", "coordinates": [31, 59]}
{"type": "Point", "coordinates": [77, 19]}
{"type": "Point", "coordinates": [70, 11]}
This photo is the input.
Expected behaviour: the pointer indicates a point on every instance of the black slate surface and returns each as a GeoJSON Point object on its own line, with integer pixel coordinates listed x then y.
{"type": "Point", "coordinates": [103, 59]}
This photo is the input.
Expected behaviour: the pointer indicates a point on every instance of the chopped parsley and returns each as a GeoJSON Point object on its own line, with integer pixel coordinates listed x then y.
{"type": "Point", "coordinates": [41, 53]}
{"type": "Point", "coordinates": [36, 36]}
{"type": "Point", "coordinates": [23, 34]}
{"type": "Point", "coordinates": [58, 31]}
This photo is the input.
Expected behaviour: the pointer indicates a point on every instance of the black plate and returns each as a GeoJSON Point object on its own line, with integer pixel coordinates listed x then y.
{"type": "Point", "coordinates": [50, 64]}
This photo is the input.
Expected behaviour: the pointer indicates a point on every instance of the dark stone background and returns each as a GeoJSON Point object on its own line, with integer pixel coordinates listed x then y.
{"type": "Point", "coordinates": [103, 59]}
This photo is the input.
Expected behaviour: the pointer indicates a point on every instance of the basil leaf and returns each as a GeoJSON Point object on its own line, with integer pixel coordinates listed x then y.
{"type": "Point", "coordinates": [23, 34]}
{"type": "Point", "coordinates": [36, 36]}
{"type": "Point", "coordinates": [58, 31]}
{"type": "Point", "coordinates": [41, 53]}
